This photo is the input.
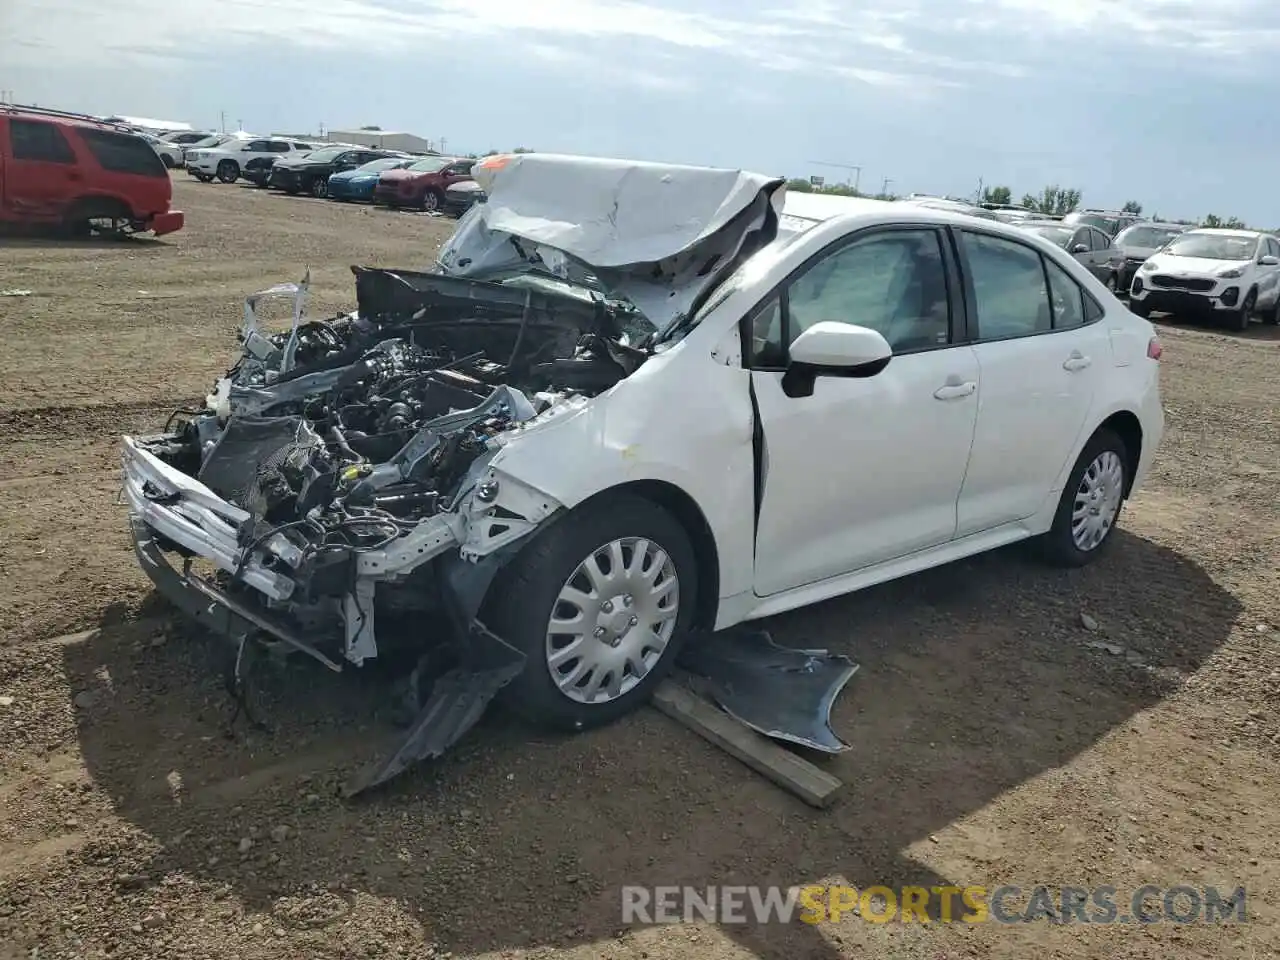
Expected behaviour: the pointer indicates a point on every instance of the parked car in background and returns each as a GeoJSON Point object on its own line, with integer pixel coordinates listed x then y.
{"type": "Point", "coordinates": [1139, 241]}
{"type": "Point", "coordinates": [462, 196]}
{"type": "Point", "coordinates": [1110, 222]}
{"type": "Point", "coordinates": [358, 184]}
{"type": "Point", "coordinates": [955, 206]}
{"type": "Point", "coordinates": [310, 172]}
{"type": "Point", "coordinates": [1011, 212]}
{"type": "Point", "coordinates": [185, 138]}
{"type": "Point", "coordinates": [1223, 274]}
{"type": "Point", "coordinates": [72, 170]}
{"type": "Point", "coordinates": [217, 140]}
{"type": "Point", "coordinates": [1089, 245]}
{"type": "Point", "coordinates": [421, 184]}
{"type": "Point", "coordinates": [170, 154]}
{"type": "Point", "coordinates": [258, 170]}
{"type": "Point", "coordinates": [228, 161]}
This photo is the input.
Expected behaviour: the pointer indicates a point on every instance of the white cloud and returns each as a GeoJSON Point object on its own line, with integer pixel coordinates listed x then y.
{"type": "Point", "coordinates": [878, 42]}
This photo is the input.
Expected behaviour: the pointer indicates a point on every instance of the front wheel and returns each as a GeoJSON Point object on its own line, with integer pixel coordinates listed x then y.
{"type": "Point", "coordinates": [228, 171]}
{"type": "Point", "coordinates": [599, 604]}
{"type": "Point", "coordinates": [320, 187]}
{"type": "Point", "coordinates": [1240, 319]}
{"type": "Point", "coordinates": [430, 201]}
{"type": "Point", "coordinates": [1091, 502]}
{"type": "Point", "coordinates": [204, 177]}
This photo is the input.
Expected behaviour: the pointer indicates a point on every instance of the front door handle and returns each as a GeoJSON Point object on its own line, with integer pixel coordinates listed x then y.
{"type": "Point", "coordinates": [954, 391]}
{"type": "Point", "coordinates": [1077, 361]}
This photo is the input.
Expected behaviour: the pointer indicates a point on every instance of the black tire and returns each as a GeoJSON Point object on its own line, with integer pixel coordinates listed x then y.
{"type": "Point", "coordinates": [1113, 284]}
{"type": "Point", "coordinates": [432, 201]}
{"type": "Point", "coordinates": [1059, 545]}
{"type": "Point", "coordinates": [1239, 320]}
{"type": "Point", "coordinates": [102, 217]}
{"type": "Point", "coordinates": [228, 171]}
{"type": "Point", "coordinates": [1272, 316]}
{"type": "Point", "coordinates": [521, 602]}
{"type": "Point", "coordinates": [319, 187]}
{"type": "Point", "coordinates": [204, 178]}
{"type": "Point", "coordinates": [293, 190]}
{"type": "Point", "coordinates": [1140, 308]}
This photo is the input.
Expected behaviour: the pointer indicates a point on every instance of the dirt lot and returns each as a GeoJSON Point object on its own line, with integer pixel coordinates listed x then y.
{"type": "Point", "coordinates": [998, 740]}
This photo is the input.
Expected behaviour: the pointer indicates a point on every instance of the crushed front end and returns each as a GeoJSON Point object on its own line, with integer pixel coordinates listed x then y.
{"type": "Point", "coordinates": [335, 493]}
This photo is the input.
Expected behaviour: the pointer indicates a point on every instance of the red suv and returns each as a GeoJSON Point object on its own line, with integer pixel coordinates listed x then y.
{"type": "Point", "coordinates": [77, 172]}
{"type": "Point", "coordinates": [421, 184]}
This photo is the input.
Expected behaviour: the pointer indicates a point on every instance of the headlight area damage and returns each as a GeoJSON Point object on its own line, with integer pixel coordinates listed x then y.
{"type": "Point", "coordinates": [338, 485]}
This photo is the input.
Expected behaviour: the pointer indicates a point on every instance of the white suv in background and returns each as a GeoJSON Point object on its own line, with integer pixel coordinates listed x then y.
{"type": "Point", "coordinates": [229, 160]}
{"type": "Point", "coordinates": [1228, 274]}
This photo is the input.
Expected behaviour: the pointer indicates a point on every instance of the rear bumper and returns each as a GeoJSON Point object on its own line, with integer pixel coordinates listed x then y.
{"type": "Point", "coordinates": [169, 222]}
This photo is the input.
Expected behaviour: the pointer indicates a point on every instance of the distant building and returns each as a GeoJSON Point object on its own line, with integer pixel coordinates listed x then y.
{"type": "Point", "coordinates": [386, 139]}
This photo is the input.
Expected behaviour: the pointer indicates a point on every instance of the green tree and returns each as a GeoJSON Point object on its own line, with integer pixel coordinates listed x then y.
{"type": "Point", "coordinates": [1002, 195]}
{"type": "Point", "coordinates": [1132, 206]}
{"type": "Point", "coordinates": [797, 185]}
{"type": "Point", "coordinates": [1054, 200]}
{"type": "Point", "coordinates": [522, 150]}
{"type": "Point", "coordinates": [1213, 221]}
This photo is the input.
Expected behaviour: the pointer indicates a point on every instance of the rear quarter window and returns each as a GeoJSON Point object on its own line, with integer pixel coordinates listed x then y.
{"type": "Point", "coordinates": [122, 153]}
{"type": "Point", "coordinates": [39, 140]}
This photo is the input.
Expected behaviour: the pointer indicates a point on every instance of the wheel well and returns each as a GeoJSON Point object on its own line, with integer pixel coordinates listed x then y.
{"type": "Point", "coordinates": [1127, 427]}
{"type": "Point", "coordinates": [681, 506]}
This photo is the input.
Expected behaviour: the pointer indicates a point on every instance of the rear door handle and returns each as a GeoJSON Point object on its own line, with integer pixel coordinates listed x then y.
{"type": "Point", "coordinates": [954, 391]}
{"type": "Point", "coordinates": [1077, 361]}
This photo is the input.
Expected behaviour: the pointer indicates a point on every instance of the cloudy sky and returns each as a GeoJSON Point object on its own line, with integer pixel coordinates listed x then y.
{"type": "Point", "coordinates": [1167, 102]}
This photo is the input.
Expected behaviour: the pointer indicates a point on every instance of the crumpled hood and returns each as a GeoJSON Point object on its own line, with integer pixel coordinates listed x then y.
{"type": "Point", "coordinates": [658, 234]}
{"type": "Point", "coordinates": [1193, 266]}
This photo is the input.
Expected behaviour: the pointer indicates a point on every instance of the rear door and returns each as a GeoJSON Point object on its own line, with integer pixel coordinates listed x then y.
{"type": "Point", "coordinates": [1105, 259]}
{"type": "Point", "coordinates": [1040, 351]}
{"type": "Point", "coordinates": [43, 174]}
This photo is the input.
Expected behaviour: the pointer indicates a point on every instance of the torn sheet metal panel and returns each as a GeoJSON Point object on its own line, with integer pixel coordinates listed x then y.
{"type": "Point", "coordinates": [782, 693]}
{"type": "Point", "coordinates": [616, 217]}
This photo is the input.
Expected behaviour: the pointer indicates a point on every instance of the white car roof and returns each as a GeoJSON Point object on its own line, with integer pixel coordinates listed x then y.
{"type": "Point", "coordinates": [1223, 232]}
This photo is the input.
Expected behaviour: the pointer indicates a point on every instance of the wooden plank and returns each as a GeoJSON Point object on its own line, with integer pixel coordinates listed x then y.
{"type": "Point", "coordinates": [788, 770]}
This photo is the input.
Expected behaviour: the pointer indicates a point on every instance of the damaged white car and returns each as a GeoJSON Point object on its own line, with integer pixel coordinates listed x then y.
{"type": "Point", "coordinates": [634, 401]}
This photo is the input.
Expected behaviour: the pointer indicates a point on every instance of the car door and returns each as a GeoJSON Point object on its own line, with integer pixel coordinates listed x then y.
{"type": "Point", "coordinates": [864, 470]}
{"type": "Point", "coordinates": [43, 173]}
{"type": "Point", "coordinates": [1040, 349]}
{"type": "Point", "coordinates": [1106, 259]}
{"type": "Point", "coordinates": [1268, 274]}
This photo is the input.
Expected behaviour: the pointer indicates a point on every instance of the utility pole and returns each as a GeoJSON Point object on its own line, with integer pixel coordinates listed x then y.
{"type": "Point", "coordinates": [884, 187]}
{"type": "Point", "coordinates": [857, 171]}
{"type": "Point", "coordinates": [443, 141]}
{"type": "Point", "coordinates": [222, 120]}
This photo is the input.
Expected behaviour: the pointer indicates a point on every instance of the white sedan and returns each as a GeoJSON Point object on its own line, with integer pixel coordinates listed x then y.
{"type": "Point", "coordinates": [821, 394]}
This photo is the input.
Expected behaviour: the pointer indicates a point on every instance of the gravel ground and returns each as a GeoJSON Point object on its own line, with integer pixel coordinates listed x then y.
{"type": "Point", "coordinates": [1011, 724]}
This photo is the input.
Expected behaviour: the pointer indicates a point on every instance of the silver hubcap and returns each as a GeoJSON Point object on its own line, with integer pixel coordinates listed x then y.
{"type": "Point", "coordinates": [1097, 500]}
{"type": "Point", "coordinates": [612, 620]}
{"type": "Point", "coordinates": [430, 202]}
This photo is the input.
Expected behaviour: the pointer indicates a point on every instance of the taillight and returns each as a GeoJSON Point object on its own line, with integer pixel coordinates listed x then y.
{"type": "Point", "coordinates": [1154, 350]}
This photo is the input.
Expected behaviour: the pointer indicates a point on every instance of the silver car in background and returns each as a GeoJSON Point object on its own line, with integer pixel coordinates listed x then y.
{"type": "Point", "coordinates": [1088, 244]}
{"type": "Point", "coordinates": [1139, 241]}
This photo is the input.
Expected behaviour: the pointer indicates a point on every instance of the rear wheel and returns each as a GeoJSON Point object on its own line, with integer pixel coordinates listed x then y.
{"type": "Point", "coordinates": [599, 604]}
{"type": "Point", "coordinates": [320, 187]}
{"type": "Point", "coordinates": [228, 171]}
{"type": "Point", "coordinates": [431, 201]}
{"type": "Point", "coordinates": [1091, 502]}
{"type": "Point", "coordinates": [109, 219]}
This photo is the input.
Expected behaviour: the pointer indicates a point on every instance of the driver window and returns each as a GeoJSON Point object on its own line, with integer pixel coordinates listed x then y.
{"type": "Point", "coordinates": [894, 282]}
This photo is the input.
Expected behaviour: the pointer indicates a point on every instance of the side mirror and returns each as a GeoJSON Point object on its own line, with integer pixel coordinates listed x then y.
{"type": "Point", "coordinates": [1080, 248]}
{"type": "Point", "coordinates": [832, 349]}
{"type": "Point", "coordinates": [1269, 261]}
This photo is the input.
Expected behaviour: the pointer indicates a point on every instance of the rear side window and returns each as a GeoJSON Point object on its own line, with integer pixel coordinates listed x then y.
{"type": "Point", "coordinates": [37, 140]}
{"type": "Point", "coordinates": [122, 153]}
{"type": "Point", "coordinates": [1009, 286]}
{"type": "Point", "coordinates": [277, 146]}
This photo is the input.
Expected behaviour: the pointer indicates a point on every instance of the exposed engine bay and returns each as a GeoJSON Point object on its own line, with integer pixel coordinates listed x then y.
{"type": "Point", "coordinates": [336, 460]}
